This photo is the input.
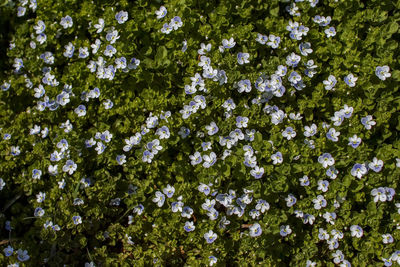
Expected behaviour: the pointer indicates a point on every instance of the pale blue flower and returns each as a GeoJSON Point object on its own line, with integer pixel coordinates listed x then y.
{"type": "Point", "coordinates": [77, 219]}
{"type": "Point", "coordinates": [69, 50]}
{"type": "Point", "coordinates": [382, 72]}
{"type": "Point", "coordinates": [18, 64]}
{"type": "Point", "coordinates": [262, 39]}
{"type": "Point", "coordinates": [187, 212]}
{"type": "Point", "coordinates": [40, 27]}
{"type": "Point", "coordinates": [243, 58]}
{"type": "Point", "coordinates": [21, 11]}
{"type": "Point", "coordinates": [305, 48]}
{"type": "Point", "coordinates": [112, 36]}
{"type": "Point", "coordinates": [304, 181]}
{"type": "Point", "coordinates": [319, 202]}
{"type": "Point", "coordinates": [204, 189]}
{"type": "Point", "coordinates": [8, 251]}
{"type": "Point", "coordinates": [209, 160]}
{"type": "Point", "coordinates": [70, 167]}
{"type": "Point", "coordinates": [289, 133]}
{"type": "Point", "coordinates": [169, 191]}
{"type": "Point", "coordinates": [121, 159]}
{"type": "Point", "coordinates": [273, 41]}
{"type": "Point", "coordinates": [330, 32]}
{"type": "Point", "coordinates": [332, 172]}
{"type": "Point", "coordinates": [292, 60]}
{"type": "Point", "coordinates": [161, 12]}
{"type": "Point", "coordinates": [244, 86]}
{"type": "Point", "coordinates": [323, 234]}
{"type": "Point", "coordinates": [333, 135]}
{"type": "Point", "coordinates": [277, 158]}
{"type": "Point", "coordinates": [285, 230]}
{"type": "Point", "coordinates": [257, 172]}
{"type": "Point", "coordinates": [176, 23]}
{"type": "Point", "coordinates": [159, 198]}
{"type": "Point", "coordinates": [323, 185]}
{"type": "Point", "coordinates": [376, 165]}
{"type": "Point", "coordinates": [189, 226]}
{"type": "Point", "coordinates": [134, 63]}
{"type": "Point", "coordinates": [330, 83]}
{"type": "Point", "coordinates": [326, 160]}
{"type": "Point", "coordinates": [110, 51]}
{"type": "Point", "coordinates": [66, 22]}
{"type": "Point", "coordinates": [40, 197]}
{"type": "Point", "coordinates": [210, 236]}
{"type": "Point", "coordinates": [80, 111]}
{"type": "Point", "coordinates": [121, 17]}
{"type": "Point", "coordinates": [213, 260]}
{"type": "Point", "coordinates": [368, 122]}
{"type": "Point", "coordinates": [350, 80]}
{"type": "Point", "coordinates": [241, 122]}
{"type": "Point", "coordinates": [387, 238]}
{"type": "Point", "coordinates": [359, 170]}
{"type": "Point", "coordinates": [147, 156]}
{"type": "Point", "coordinates": [22, 255]}
{"type": "Point", "coordinates": [184, 132]}
{"type": "Point", "coordinates": [255, 230]}
{"type": "Point", "coordinates": [356, 231]}
{"type": "Point", "coordinates": [290, 200]}
{"type": "Point", "coordinates": [227, 44]}
{"type": "Point", "coordinates": [36, 174]}
{"type": "Point", "coordinates": [39, 212]}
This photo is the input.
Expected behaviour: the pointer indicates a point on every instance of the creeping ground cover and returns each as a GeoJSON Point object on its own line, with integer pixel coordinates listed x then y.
{"type": "Point", "coordinates": [199, 133]}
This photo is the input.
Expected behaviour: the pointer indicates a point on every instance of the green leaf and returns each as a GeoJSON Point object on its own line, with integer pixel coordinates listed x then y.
{"type": "Point", "coordinates": [393, 27]}
{"type": "Point", "coordinates": [396, 75]}
{"type": "Point", "coordinates": [161, 54]}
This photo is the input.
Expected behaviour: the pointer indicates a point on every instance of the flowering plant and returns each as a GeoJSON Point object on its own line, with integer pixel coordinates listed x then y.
{"type": "Point", "coordinates": [188, 132]}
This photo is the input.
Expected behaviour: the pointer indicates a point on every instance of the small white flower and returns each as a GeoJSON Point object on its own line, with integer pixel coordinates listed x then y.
{"type": "Point", "coordinates": [356, 231]}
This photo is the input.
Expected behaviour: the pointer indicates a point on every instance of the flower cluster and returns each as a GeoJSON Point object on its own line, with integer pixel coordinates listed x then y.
{"type": "Point", "coordinates": [262, 133]}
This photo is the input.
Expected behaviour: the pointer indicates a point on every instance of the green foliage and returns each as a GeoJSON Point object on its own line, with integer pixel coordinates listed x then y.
{"type": "Point", "coordinates": [367, 34]}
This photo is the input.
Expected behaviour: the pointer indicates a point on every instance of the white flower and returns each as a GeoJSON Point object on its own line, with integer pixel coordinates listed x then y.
{"type": "Point", "coordinates": [376, 165]}
{"type": "Point", "coordinates": [209, 160]}
{"type": "Point", "coordinates": [326, 160]}
{"type": "Point", "coordinates": [277, 158]}
{"type": "Point", "coordinates": [66, 22]}
{"type": "Point", "coordinates": [289, 133]}
{"type": "Point", "coordinates": [310, 130]}
{"type": "Point", "coordinates": [277, 117]}
{"type": "Point", "coordinates": [255, 230]}
{"type": "Point", "coordinates": [121, 17]}
{"type": "Point", "coordinates": [212, 128]}
{"type": "Point", "coordinates": [69, 167]}
{"type": "Point", "coordinates": [40, 27]}
{"type": "Point", "coordinates": [204, 49]}
{"type": "Point", "coordinates": [210, 236]}
{"type": "Point", "coordinates": [100, 25]}
{"type": "Point", "coordinates": [2, 184]}
{"type": "Point", "coordinates": [379, 194]}
{"type": "Point", "coordinates": [350, 80]}
{"type": "Point", "coordinates": [382, 72]}
{"type": "Point", "coordinates": [387, 238]}
{"type": "Point", "coordinates": [159, 199]}
{"type": "Point", "coordinates": [195, 158]}
{"type": "Point", "coordinates": [323, 185]}
{"type": "Point", "coordinates": [356, 231]}
{"type": "Point", "coordinates": [243, 58]}
{"type": "Point", "coordinates": [319, 202]}
{"type": "Point", "coordinates": [359, 170]}
{"type": "Point", "coordinates": [161, 12]}
{"type": "Point", "coordinates": [40, 197]}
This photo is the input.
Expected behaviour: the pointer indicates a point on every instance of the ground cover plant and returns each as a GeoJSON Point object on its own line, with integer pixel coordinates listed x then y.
{"type": "Point", "coordinates": [199, 133]}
